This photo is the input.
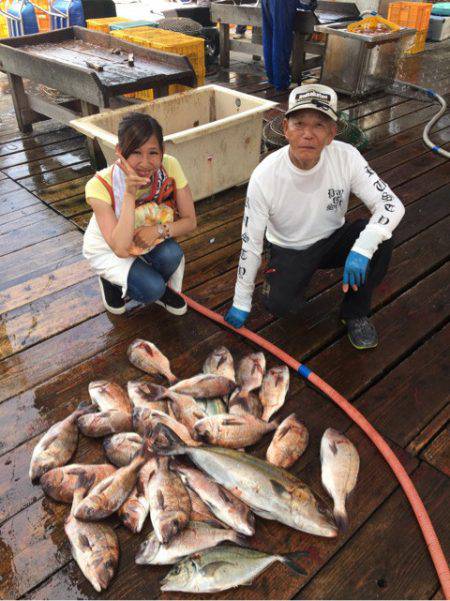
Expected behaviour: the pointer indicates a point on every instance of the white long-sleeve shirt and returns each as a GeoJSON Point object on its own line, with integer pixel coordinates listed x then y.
{"type": "Point", "coordinates": [295, 208]}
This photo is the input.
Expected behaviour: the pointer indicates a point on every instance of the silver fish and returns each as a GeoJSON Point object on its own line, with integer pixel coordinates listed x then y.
{"type": "Point", "coordinates": [170, 505]}
{"type": "Point", "coordinates": [251, 371]}
{"type": "Point", "coordinates": [106, 498]}
{"type": "Point", "coordinates": [269, 491]}
{"type": "Point", "coordinates": [104, 423]}
{"type": "Point", "coordinates": [273, 391]}
{"type": "Point", "coordinates": [220, 363]}
{"type": "Point", "coordinates": [60, 482]}
{"type": "Point", "coordinates": [205, 386]}
{"type": "Point", "coordinates": [220, 568]}
{"type": "Point", "coordinates": [57, 445]}
{"type": "Point", "coordinates": [196, 537]}
{"type": "Point", "coordinates": [146, 356]}
{"type": "Point", "coordinates": [288, 443]}
{"type": "Point", "coordinates": [340, 466]}
{"type": "Point", "coordinates": [232, 431]}
{"type": "Point", "coordinates": [225, 506]}
{"type": "Point", "coordinates": [95, 547]}
{"type": "Point", "coordinates": [109, 396]}
{"type": "Point", "coordinates": [121, 448]}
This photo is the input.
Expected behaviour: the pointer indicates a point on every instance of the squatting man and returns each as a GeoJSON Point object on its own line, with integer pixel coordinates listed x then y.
{"type": "Point", "coordinates": [297, 199]}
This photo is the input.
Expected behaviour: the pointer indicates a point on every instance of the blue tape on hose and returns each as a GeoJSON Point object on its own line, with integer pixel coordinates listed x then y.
{"type": "Point", "coordinates": [431, 93]}
{"type": "Point", "coordinates": [436, 149]}
{"type": "Point", "coordinates": [304, 371]}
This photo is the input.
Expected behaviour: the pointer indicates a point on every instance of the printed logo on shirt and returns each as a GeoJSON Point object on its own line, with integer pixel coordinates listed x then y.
{"type": "Point", "coordinates": [337, 199]}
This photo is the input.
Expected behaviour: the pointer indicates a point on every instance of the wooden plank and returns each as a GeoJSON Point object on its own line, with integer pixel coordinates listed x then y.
{"type": "Point", "coordinates": [7, 186]}
{"type": "Point", "coordinates": [398, 566]}
{"type": "Point", "coordinates": [386, 130]}
{"type": "Point", "coordinates": [64, 190]}
{"type": "Point", "coordinates": [430, 430]}
{"type": "Point", "coordinates": [20, 219]}
{"type": "Point", "coordinates": [49, 315]}
{"type": "Point", "coordinates": [390, 114]}
{"type": "Point", "coordinates": [40, 152]}
{"type": "Point", "coordinates": [55, 225]}
{"type": "Point", "coordinates": [417, 389]}
{"type": "Point", "coordinates": [40, 258]}
{"type": "Point", "coordinates": [17, 199]}
{"type": "Point", "coordinates": [18, 214]}
{"type": "Point", "coordinates": [11, 144]}
{"type": "Point", "coordinates": [70, 207]}
{"type": "Point", "coordinates": [39, 183]}
{"type": "Point", "coordinates": [46, 165]}
{"type": "Point", "coordinates": [33, 289]}
{"type": "Point", "coordinates": [437, 453]}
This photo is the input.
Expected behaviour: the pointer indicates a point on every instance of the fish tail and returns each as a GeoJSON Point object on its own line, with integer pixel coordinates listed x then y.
{"type": "Point", "coordinates": [292, 561]}
{"type": "Point", "coordinates": [341, 518]}
{"type": "Point", "coordinates": [163, 441]}
{"type": "Point", "coordinates": [85, 407]}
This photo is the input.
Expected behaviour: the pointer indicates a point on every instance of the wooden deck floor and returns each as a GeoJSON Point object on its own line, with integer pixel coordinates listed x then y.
{"type": "Point", "coordinates": [55, 337]}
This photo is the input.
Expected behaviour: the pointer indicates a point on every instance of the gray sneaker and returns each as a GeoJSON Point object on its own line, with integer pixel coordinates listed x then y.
{"type": "Point", "coordinates": [361, 333]}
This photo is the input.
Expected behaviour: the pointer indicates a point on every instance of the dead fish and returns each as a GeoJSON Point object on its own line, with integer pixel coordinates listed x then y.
{"type": "Point", "coordinates": [60, 482]}
{"type": "Point", "coordinates": [95, 547]}
{"type": "Point", "coordinates": [146, 356]}
{"type": "Point", "coordinates": [109, 396]}
{"type": "Point", "coordinates": [244, 401]}
{"type": "Point", "coordinates": [143, 394]}
{"type": "Point", "coordinates": [200, 511]}
{"type": "Point", "coordinates": [220, 363]}
{"type": "Point", "coordinates": [205, 386]}
{"type": "Point", "coordinates": [340, 466]}
{"type": "Point", "coordinates": [106, 498]}
{"type": "Point", "coordinates": [134, 511]}
{"type": "Point", "coordinates": [232, 431]}
{"type": "Point", "coordinates": [57, 445]}
{"type": "Point", "coordinates": [170, 505]}
{"type": "Point", "coordinates": [225, 506]}
{"type": "Point", "coordinates": [145, 420]}
{"type": "Point", "coordinates": [196, 537]}
{"type": "Point", "coordinates": [273, 391]}
{"type": "Point", "coordinates": [104, 423]}
{"type": "Point", "coordinates": [288, 443]}
{"type": "Point", "coordinates": [186, 410]}
{"type": "Point", "coordinates": [121, 448]}
{"type": "Point", "coordinates": [251, 371]}
{"type": "Point", "coordinates": [271, 492]}
{"type": "Point", "coordinates": [221, 568]}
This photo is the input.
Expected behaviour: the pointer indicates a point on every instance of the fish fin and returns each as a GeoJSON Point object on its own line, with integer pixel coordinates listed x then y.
{"type": "Point", "coordinates": [160, 498]}
{"type": "Point", "coordinates": [49, 441]}
{"type": "Point", "coordinates": [279, 488]}
{"type": "Point", "coordinates": [239, 539]}
{"type": "Point", "coordinates": [282, 432]}
{"type": "Point", "coordinates": [83, 541]}
{"type": "Point", "coordinates": [291, 560]}
{"type": "Point", "coordinates": [164, 441]}
{"type": "Point", "coordinates": [85, 481]}
{"type": "Point", "coordinates": [341, 519]}
{"type": "Point", "coordinates": [210, 569]}
{"type": "Point", "coordinates": [333, 447]}
{"type": "Point", "coordinates": [86, 407]}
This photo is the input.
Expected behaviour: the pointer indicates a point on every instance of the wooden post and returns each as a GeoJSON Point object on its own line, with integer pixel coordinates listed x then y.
{"type": "Point", "coordinates": [224, 36]}
{"type": "Point", "coordinates": [24, 114]}
{"type": "Point", "coordinates": [298, 57]}
{"type": "Point", "coordinates": [95, 154]}
{"type": "Point", "coordinates": [160, 91]}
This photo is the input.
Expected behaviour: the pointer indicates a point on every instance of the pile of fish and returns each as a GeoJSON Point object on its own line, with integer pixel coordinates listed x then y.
{"type": "Point", "coordinates": [194, 505]}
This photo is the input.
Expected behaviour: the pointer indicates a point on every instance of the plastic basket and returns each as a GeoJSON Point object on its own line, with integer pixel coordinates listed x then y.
{"type": "Point", "coordinates": [411, 14]}
{"type": "Point", "coordinates": [42, 18]}
{"type": "Point", "coordinates": [103, 24]}
{"type": "Point", "coordinates": [419, 43]}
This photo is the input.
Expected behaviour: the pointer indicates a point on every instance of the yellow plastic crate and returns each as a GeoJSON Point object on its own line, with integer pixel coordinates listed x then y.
{"type": "Point", "coordinates": [411, 14]}
{"type": "Point", "coordinates": [103, 24]}
{"type": "Point", "coordinates": [419, 43]}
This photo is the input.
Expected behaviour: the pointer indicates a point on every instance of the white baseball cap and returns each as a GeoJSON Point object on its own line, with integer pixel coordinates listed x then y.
{"type": "Point", "coordinates": [314, 96]}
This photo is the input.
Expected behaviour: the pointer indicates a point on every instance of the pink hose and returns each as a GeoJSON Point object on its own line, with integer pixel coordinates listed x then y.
{"type": "Point", "coordinates": [423, 519]}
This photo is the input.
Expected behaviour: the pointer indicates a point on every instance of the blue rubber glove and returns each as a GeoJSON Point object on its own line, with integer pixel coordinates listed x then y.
{"type": "Point", "coordinates": [355, 270]}
{"type": "Point", "coordinates": [236, 318]}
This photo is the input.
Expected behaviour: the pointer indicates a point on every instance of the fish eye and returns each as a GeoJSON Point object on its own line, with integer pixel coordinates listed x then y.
{"type": "Point", "coordinates": [176, 570]}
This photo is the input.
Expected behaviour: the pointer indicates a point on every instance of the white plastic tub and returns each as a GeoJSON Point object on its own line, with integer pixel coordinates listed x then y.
{"type": "Point", "coordinates": [214, 132]}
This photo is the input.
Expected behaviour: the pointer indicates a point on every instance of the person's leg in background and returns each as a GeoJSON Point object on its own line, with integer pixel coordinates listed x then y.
{"type": "Point", "coordinates": [240, 32]}
{"type": "Point", "coordinates": [267, 39]}
{"type": "Point", "coordinates": [283, 17]}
